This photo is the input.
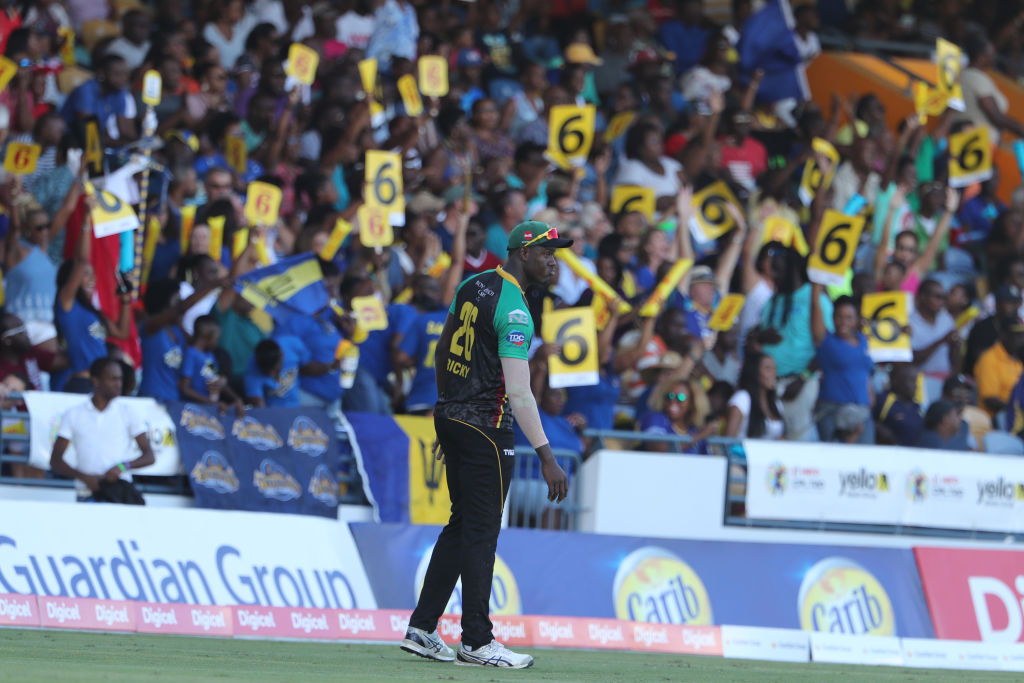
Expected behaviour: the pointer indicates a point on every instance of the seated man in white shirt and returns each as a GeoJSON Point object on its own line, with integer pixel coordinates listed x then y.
{"type": "Point", "coordinates": [102, 429]}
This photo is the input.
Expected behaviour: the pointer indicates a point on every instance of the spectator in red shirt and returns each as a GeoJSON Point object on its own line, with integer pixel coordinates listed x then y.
{"type": "Point", "coordinates": [744, 157]}
{"type": "Point", "coordinates": [18, 356]}
{"type": "Point", "coordinates": [478, 259]}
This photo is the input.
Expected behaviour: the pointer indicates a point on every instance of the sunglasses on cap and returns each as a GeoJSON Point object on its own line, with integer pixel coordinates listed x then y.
{"type": "Point", "coordinates": [549, 234]}
{"type": "Point", "coordinates": [678, 396]}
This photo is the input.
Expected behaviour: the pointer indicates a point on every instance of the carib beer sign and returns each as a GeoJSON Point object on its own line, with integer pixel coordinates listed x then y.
{"type": "Point", "coordinates": [656, 586]}
{"type": "Point", "coordinates": [838, 595]}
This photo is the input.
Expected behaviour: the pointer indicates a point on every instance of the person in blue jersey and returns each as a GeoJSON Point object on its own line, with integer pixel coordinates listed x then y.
{"type": "Point", "coordinates": [83, 327]}
{"type": "Point", "coordinates": [272, 378]}
{"type": "Point", "coordinates": [201, 381]}
{"type": "Point", "coordinates": [416, 348]}
{"type": "Point", "coordinates": [162, 339]}
{"type": "Point", "coordinates": [372, 389]}
{"type": "Point", "coordinates": [320, 379]}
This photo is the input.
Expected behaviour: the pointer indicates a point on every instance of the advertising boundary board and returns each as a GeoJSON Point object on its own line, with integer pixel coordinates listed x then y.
{"type": "Point", "coordinates": [909, 487]}
{"type": "Point", "coordinates": [974, 594]}
{"type": "Point", "coordinates": [840, 589]}
{"type": "Point", "coordinates": [378, 626]}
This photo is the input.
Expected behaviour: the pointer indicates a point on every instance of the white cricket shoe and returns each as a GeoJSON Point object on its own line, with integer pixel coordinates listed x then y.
{"type": "Point", "coordinates": [428, 645]}
{"type": "Point", "coordinates": [493, 654]}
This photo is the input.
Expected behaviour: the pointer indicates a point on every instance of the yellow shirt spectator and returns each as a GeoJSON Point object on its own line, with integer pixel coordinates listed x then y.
{"type": "Point", "coordinates": [996, 374]}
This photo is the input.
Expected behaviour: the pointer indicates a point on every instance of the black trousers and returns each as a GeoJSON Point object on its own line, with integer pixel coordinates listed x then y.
{"type": "Point", "coordinates": [478, 467]}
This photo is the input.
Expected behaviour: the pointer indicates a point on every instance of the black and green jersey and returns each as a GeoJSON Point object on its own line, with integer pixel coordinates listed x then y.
{"type": "Point", "coordinates": [493, 323]}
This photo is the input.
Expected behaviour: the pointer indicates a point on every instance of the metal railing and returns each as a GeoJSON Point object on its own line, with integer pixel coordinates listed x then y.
{"type": "Point", "coordinates": [528, 505]}
{"type": "Point", "coordinates": [15, 448]}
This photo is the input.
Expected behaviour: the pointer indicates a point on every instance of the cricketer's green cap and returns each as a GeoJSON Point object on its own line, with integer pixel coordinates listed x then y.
{"type": "Point", "coordinates": [536, 234]}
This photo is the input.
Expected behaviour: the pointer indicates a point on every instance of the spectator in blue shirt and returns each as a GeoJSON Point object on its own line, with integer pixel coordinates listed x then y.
{"type": "Point", "coordinates": [200, 380]}
{"type": "Point", "coordinates": [978, 214]}
{"type": "Point", "coordinates": [272, 378]}
{"type": "Point", "coordinates": [898, 418]}
{"type": "Point", "coordinates": [845, 364]}
{"type": "Point", "coordinates": [162, 338]}
{"type": "Point", "coordinates": [680, 408]}
{"type": "Point", "coordinates": [686, 35]}
{"type": "Point", "coordinates": [107, 98]}
{"type": "Point", "coordinates": [943, 428]}
{"type": "Point", "coordinates": [418, 342]}
{"type": "Point", "coordinates": [82, 327]}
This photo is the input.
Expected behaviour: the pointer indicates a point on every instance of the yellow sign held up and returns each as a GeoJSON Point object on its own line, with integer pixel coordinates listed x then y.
{"type": "Point", "coordinates": [216, 224]}
{"type": "Point", "coordinates": [886, 313]}
{"type": "Point", "coordinates": [627, 198]}
{"type": "Point", "coordinates": [262, 203]}
{"type": "Point", "coordinates": [368, 75]}
{"type": "Point", "coordinates": [599, 286]}
{"type": "Point", "coordinates": [618, 125]}
{"type": "Point", "coordinates": [370, 313]}
{"type": "Point", "coordinates": [302, 63]}
{"type": "Point", "coordinates": [835, 247]}
{"type": "Point", "coordinates": [410, 94]}
{"type": "Point", "coordinates": [152, 84]}
{"type": "Point", "coordinates": [433, 71]}
{"type": "Point", "coordinates": [93, 148]}
{"type": "Point", "coordinates": [21, 157]}
{"type": "Point", "coordinates": [576, 363]}
{"type": "Point", "coordinates": [341, 230]}
{"type": "Point", "coordinates": [110, 216]}
{"type": "Point", "coordinates": [726, 313]}
{"type": "Point", "coordinates": [384, 184]}
{"type": "Point", "coordinates": [374, 227]}
{"type": "Point", "coordinates": [656, 301]}
{"type": "Point", "coordinates": [970, 157]}
{"type": "Point", "coordinates": [570, 134]}
{"type": "Point", "coordinates": [236, 153]}
{"type": "Point", "coordinates": [813, 179]}
{"type": "Point", "coordinates": [711, 218]}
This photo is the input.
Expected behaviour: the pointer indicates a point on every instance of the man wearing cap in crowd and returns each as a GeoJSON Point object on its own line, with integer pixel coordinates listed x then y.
{"type": "Point", "coordinates": [482, 372]}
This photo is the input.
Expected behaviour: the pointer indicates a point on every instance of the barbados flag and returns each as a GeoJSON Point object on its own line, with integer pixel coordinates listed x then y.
{"type": "Point", "coordinates": [294, 285]}
{"type": "Point", "coordinates": [401, 478]}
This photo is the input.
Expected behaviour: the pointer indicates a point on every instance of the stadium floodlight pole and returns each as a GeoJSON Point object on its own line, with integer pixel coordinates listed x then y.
{"type": "Point", "coordinates": [152, 84]}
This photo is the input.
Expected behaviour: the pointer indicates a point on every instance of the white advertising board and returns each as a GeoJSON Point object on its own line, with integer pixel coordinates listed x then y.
{"type": "Point", "coordinates": [884, 485]}
{"type": "Point", "coordinates": [164, 555]}
{"type": "Point", "coordinates": [45, 409]}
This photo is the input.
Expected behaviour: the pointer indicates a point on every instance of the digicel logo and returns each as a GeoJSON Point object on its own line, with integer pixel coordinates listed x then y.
{"type": "Point", "coordinates": [650, 635]}
{"type": "Point", "coordinates": [14, 608]}
{"type": "Point", "coordinates": [354, 623]}
{"type": "Point", "coordinates": [63, 612]}
{"type": "Point", "coordinates": [986, 593]}
{"type": "Point", "coordinates": [207, 620]}
{"type": "Point", "coordinates": [605, 634]}
{"type": "Point", "coordinates": [554, 631]}
{"type": "Point", "coordinates": [159, 617]}
{"type": "Point", "coordinates": [112, 615]}
{"type": "Point", "coordinates": [255, 620]}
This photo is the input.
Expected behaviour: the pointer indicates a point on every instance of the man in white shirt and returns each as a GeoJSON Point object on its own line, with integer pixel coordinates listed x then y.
{"type": "Point", "coordinates": [102, 429]}
{"type": "Point", "coordinates": [133, 44]}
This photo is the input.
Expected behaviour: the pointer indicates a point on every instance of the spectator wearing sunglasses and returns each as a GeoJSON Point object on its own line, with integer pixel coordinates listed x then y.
{"type": "Point", "coordinates": [679, 408]}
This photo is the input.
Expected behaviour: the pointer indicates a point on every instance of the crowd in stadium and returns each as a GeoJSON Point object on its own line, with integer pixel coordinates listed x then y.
{"type": "Point", "coordinates": [686, 96]}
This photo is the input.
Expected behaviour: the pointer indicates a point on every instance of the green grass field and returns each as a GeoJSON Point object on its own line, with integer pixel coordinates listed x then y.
{"type": "Point", "coordinates": [27, 655]}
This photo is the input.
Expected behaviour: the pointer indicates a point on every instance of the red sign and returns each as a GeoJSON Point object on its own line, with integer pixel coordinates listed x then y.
{"type": "Point", "coordinates": [196, 620]}
{"type": "Point", "coordinates": [86, 613]}
{"type": "Point", "coordinates": [18, 610]}
{"type": "Point", "coordinates": [974, 594]}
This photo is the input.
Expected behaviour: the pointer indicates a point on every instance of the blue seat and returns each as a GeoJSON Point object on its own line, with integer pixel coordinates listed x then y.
{"type": "Point", "coordinates": [1003, 443]}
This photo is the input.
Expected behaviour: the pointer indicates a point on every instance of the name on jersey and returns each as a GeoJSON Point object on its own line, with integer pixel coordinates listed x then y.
{"type": "Point", "coordinates": [457, 368]}
{"type": "Point", "coordinates": [484, 290]}
{"type": "Point", "coordinates": [516, 337]}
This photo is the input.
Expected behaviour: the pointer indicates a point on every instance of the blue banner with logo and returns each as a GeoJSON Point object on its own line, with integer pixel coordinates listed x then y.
{"type": "Point", "coordinates": [402, 479]}
{"type": "Point", "coordinates": [269, 460]}
{"type": "Point", "coordinates": [837, 589]}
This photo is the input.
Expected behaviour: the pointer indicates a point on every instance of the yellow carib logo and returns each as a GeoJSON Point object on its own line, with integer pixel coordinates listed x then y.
{"type": "Point", "coordinates": [504, 589]}
{"type": "Point", "coordinates": [840, 596]}
{"type": "Point", "coordinates": [656, 586]}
